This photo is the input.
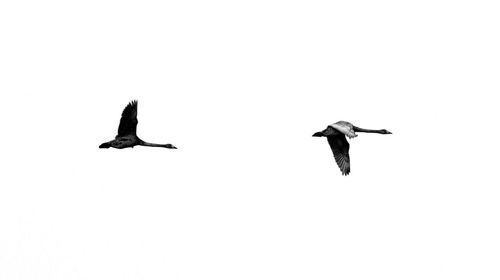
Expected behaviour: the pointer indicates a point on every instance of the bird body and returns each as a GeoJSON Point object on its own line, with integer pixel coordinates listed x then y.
{"type": "Point", "coordinates": [127, 132]}
{"type": "Point", "coordinates": [344, 127]}
{"type": "Point", "coordinates": [335, 134]}
{"type": "Point", "coordinates": [128, 141]}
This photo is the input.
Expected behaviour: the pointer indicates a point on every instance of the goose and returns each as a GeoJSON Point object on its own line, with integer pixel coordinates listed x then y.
{"type": "Point", "coordinates": [335, 134]}
{"type": "Point", "coordinates": [127, 137]}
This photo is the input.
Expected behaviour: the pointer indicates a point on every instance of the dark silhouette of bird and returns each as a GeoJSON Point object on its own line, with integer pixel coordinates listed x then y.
{"type": "Point", "coordinates": [127, 137]}
{"type": "Point", "coordinates": [335, 134]}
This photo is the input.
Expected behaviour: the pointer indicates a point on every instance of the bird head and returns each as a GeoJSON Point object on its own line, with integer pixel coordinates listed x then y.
{"type": "Point", "coordinates": [170, 146]}
{"type": "Point", "coordinates": [385, 131]}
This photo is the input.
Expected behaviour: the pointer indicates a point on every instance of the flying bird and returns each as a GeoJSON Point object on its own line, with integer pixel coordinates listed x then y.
{"type": "Point", "coordinates": [336, 133]}
{"type": "Point", "coordinates": [127, 137]}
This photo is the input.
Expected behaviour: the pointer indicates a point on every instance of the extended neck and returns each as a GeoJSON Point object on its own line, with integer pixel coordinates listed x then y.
{"type": "Point", "coordinates": [168, 146]}
{"type": "Point", "coordinates": [358, 129]}
{"type": "Point", "coordinates": [143, 143]}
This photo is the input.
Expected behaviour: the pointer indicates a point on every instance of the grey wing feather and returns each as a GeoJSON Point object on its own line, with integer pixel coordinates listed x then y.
{"type": "Point", "coordinates": [340, 149]}
{"type": "Point", "coordinates": [345, 127]}
{"type": "Point", "coordinates": [128, 121]}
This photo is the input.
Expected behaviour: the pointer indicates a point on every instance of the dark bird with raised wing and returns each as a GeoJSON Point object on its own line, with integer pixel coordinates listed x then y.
{"type": "Point", "coordinates": [127, 137]}
{"type": "Point", "coordinates": [336, 133]}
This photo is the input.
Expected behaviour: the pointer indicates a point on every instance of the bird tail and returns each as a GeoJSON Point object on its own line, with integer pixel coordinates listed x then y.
{"type": "Point", "coordinates": [318, 134]}
{"type": "Point", "coordinates": [104, 145]}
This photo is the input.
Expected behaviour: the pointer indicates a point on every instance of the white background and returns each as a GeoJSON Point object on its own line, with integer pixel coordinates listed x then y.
{"type": "Point", "coordinates": [240, 87]}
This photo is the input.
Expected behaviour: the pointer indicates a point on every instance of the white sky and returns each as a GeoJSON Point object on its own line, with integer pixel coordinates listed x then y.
{"type": "Point", "coordinates": [240, 87]}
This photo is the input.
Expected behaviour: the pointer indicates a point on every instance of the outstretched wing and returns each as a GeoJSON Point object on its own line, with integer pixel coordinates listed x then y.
{"type": "Point", "coordinates": [340, 149]}
{"type": "Point", "coordinates": [128, 122]}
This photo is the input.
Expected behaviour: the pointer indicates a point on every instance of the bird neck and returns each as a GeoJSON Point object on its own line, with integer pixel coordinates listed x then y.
{"type": "Point", "coordinates": [380, 131]}
{"type": "Point", "coordinates": [143, 143]}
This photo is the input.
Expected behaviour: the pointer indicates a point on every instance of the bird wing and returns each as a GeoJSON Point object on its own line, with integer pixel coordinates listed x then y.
{"type": "Point", "coordinates": [345, 127]}
{"type": "Point", "coordinates": [340, 149]}
{"type": "Point", "coordinates": [128, 122]}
